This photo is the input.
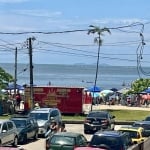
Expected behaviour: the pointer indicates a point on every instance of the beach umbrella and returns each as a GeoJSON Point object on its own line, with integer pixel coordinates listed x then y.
{"type": "Point", "coordinates": [12, 87]}
{"type": "Point", "coordinates": [94, 89]}
{"type": "Point", "coordinates": [123, 91]}
{"type": "Point", "coordinates": [147, 90]}
{"type": "Point", "coordinates": [106, 93]}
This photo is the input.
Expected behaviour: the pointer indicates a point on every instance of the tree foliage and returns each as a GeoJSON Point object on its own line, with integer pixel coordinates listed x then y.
{"type": "Point", "coordinates": [5, 78]}
{"type": "Point", "coordinates": [139, 85]}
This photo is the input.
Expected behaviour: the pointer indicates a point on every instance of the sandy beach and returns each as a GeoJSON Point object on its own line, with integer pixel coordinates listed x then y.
{"type": "Point", "coordinates": [119, 107]}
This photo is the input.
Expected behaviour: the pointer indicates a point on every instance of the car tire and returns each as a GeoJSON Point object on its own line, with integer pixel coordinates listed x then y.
{"type": "Point", "coordinates": [15, 143]}
{"type": "Point", "coordinates": [36, 136]}
{"type": "Point", "coordinates": [25, 139]}
{"type": "Point", "coordinates": [86, 131]}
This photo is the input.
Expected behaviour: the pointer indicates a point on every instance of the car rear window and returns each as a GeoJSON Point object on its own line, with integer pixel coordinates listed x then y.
{"type": "Point", "coordinates": [97, 114]}
{"type": "Point", "coordinates": [65, 140]}
{"type": "Point", "coordinates": [132, 134]}
{"type": "Point", "coordinates": [145, 126]}
{"type": "Point", "coordinates": [39, 116]}
{"type": "Point", "coordinates": [107, 140]}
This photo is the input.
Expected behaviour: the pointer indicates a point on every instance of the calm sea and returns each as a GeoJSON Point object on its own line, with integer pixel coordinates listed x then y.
{"type": "Point", "coordinates": [74, 75]}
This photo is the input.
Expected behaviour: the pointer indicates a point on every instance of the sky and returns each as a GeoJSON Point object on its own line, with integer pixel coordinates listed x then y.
{"type": "Point", "coordinates": [54, 27]}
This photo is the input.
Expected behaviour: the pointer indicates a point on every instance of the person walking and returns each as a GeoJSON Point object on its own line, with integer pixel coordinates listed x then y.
{"type": "Point", "coordinates": [63, 127]}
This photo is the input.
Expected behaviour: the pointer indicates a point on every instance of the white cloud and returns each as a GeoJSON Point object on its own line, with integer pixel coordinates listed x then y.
{"type": "Point", "coordinates": [13, 1]}
{"type": "Point", "coordinates": [38, 13]}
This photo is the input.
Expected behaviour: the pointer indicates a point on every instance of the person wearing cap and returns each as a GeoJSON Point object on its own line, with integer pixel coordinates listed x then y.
{"type": "Point", "coordinates": [36, 106]}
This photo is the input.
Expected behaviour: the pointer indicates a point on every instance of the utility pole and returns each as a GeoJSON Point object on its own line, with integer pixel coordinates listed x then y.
{"type": "Point", "coordinates": [15, 80]}
{"type": "Point", "coordinates": [31, 72]}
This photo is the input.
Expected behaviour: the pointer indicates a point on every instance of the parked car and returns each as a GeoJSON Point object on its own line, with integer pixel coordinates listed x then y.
{"type": "Point", "coordinates": [44, 116]}
{"type": "Point", "coordinates": [147, 118]}
{"type": "Point", "coordinates": [27, 128]}
{"type": "Point", "coordinates": [111, 140]}
{"type": "Point", "coordinates": [145, 125]}
{"type": "Point", "coordinates": [65, 141]}
{"type": "Point", "coordinates": [137, 134]}
{"type": "Point", "coordinates": [97, 120]}
{"type": "Point", "coordinates": [8, 133]}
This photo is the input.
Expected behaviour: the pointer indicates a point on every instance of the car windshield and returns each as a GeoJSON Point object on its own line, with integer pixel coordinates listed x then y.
{"type": "Point", "coordinates": [19, 123]}
{"type": "Point", "coordinates": [107, 140]}
{"type": "Point", "coordinates": [145, 126]}
{"type": "Point", "coordinates": [65, 140]}
{"type": "Point", "coordinates": [147, 119]}
{"type": "Point", "coordinates": [132, 134]}
{"type": "Point", "coordinates": [97, 114]}
{"type": "Point", "coordinates": [40, 116]}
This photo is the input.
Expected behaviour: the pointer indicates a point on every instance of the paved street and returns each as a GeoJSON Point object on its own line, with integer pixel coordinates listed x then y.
{"type": "Point", "coordinates": [40, 144]}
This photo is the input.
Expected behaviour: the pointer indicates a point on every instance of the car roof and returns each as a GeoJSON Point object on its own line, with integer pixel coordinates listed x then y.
{"type": "Point", "coordinates": [141, 122]}
{"type": "Point", "coordinates": [4, 120]}
{"type": "Point", "coordinates": [109, 133]}
{"type": "Point", "coordinates": [70, 134]}
{"type": "Point", "coordinates": [98, 111]}
{"type": "Point", "coordinates": [43, 110]}
{"type": "Point", "coordinates": [20, 117]}
{"type": "Point", "coordinates": [131, 128]}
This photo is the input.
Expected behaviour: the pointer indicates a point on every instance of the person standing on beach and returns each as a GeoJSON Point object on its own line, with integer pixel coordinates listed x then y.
{"type": "Point", "coordinates": [18, 99]}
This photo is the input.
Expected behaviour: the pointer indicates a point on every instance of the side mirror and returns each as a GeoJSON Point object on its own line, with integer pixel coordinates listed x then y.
{"type": "Point", "coordinates": [51, 118]}
{"type": "Point", "coordinates": [4, 131]}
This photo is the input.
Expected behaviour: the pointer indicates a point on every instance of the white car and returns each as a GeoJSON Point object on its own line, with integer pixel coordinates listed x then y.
{"type": "Point", "coordinates": [8, 133]}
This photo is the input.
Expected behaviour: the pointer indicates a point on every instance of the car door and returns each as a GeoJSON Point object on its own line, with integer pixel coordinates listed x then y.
{"type": "Point", "coordinates": [5, 135]}
{"type": "Point", "coordinates": [11, 130]}
{"type": "Point", "coordinates": [33, 129]}
{"type": "Point", "coordinates": [29, 129]}
{"type": "Point", "coordinates": [82, 141]}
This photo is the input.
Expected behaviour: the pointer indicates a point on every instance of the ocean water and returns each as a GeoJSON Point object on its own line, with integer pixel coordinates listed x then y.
{"type": "Point", "coordinates": [74, 75]}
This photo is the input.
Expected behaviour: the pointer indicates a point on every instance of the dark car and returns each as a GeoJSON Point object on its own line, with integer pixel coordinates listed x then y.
{"type": "Point", "coordinates": [65, 141]}
{"type": "Point", "coordinates": [111, 140]}
{"type": "Point", "coordinates": [97, 120]}
{"type": "Point", "coordinates": [27, 128]}
{"type": "Point", "coordinates": [145, 125]}
{"type": "Point", "coordinates": [147, 118]}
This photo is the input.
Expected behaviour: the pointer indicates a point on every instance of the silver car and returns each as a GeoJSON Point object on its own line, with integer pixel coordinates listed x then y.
{"type": "Point", "coordinates": [44, 117]}
{"type": "Point", "coordinates": [8, 133]}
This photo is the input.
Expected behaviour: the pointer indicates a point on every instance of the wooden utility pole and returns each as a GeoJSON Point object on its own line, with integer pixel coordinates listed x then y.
{"type": "Point", "coordinates": [31, 73]}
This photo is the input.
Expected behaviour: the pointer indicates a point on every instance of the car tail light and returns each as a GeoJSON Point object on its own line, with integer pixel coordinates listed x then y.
{"type": "Point", "coordinates": [105, 121]}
